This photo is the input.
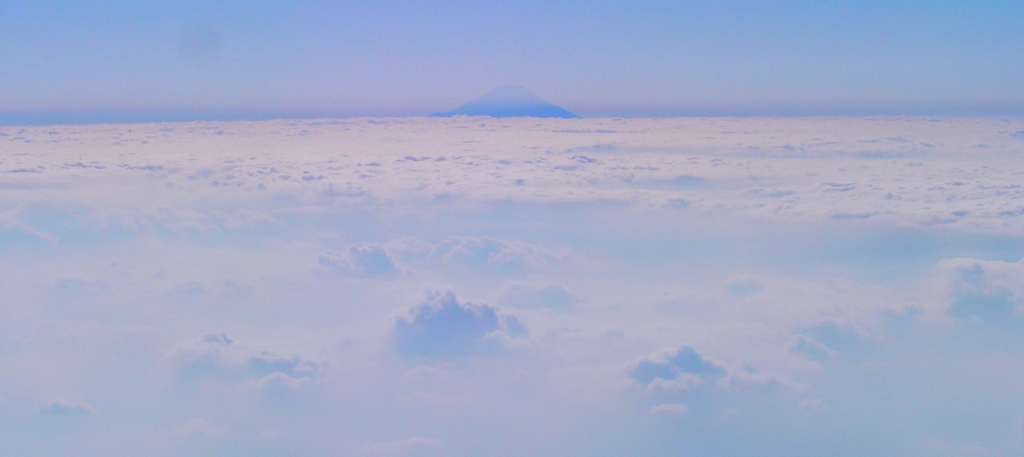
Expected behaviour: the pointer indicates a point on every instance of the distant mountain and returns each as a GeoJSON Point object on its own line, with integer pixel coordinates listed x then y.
{"type": "Point", "coordinates": [508, 101]}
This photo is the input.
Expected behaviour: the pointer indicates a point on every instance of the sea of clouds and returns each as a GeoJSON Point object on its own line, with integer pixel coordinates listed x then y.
{"type": "Point", "coordinates": [510, 287]}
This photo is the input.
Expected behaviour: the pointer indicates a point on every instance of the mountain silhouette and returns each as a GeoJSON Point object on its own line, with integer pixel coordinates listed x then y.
{"type": "Point", "coordinates": [508, 101]}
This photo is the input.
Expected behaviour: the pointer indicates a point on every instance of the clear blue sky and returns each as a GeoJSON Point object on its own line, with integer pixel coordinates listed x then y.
{"type": "Point", "coordinates": [246, 59]}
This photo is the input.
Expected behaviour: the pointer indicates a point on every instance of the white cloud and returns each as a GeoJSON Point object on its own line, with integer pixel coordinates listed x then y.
{"type": "Point", "coordinates": [812, 404]}
{"type": "Point", "coordinates": [444, 327]}
{"type": "Point", "coordinates": [201, 427]}
{"type": "Point", "coordinates": [229, 279]}
{"type": "Point", "coordinates": [986, 291]}
{"type": "Point", "coordinates": [406, 447]}
{"type": "Point", "coordinates": [367, 261]}
{"type": "Point", "coordinates": [280, 383]}
{"type": "Point", "coordinates": [530, 296]}
{"type": "Point", "coordinates": [942, 448]}
{"type": "Point", "coordinates": [495, 254]}
{"type": "Point", "coordinates": [219, 358]}
{"type": "Point", "coordinates": [685, 361]}
{"type": "Point", "coordinates": [841, 169]}
{"type": "Point", "coordinates": [66, 408]}
{"type": "Point", "coordinates": [671, 409]}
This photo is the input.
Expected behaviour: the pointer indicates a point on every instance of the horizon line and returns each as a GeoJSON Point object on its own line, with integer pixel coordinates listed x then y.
{"type": "Point", "coordinates": [26, 118]}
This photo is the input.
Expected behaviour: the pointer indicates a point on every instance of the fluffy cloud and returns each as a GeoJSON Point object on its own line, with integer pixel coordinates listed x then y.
{"type": "Point", "coordinates": [495, 255]}
{"type": "Point", "coordinates": [478, 254]}
{"type": "Point", "coordinates": [828, 340]}
{"type": "Point", "coordinates": [821, 261]}
{"type": "Point", "coordinates": [844, 170]}
{"type": "Point", "coordinates": [685, 361]}
{"type": "Point", "coordinates": [65, 408]}
{"type": "Point", "coordinates": [444, 327]}
{"type": "Point", "coordinates": [669, 409]}
{"type": "Point", "coordinates": [366, 261]}
{"type": "Point", "coordinates": [218, 359]}
{"type": "Point", "coordinates": [528, 296]}
{"type": "Point", "coordinates": [201, 427]}
{"type": "Point", "coordinates": [987, 291]}
{"type": "Point", "coordinates": [407, 447]}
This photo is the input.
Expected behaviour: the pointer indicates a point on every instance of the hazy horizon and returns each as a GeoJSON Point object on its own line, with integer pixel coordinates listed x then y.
{"type": "Point", "coordinates": [44, 118]}
{"type": "Point", "coordinates": [123, 62]}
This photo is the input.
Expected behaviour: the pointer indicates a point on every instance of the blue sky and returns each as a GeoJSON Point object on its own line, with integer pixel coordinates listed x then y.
{"type": "Point", "coordinates": [240, 59]}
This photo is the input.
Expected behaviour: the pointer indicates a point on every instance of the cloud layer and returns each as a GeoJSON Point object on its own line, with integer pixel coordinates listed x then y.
{"type": "Point", "coordinates": [474, 286]}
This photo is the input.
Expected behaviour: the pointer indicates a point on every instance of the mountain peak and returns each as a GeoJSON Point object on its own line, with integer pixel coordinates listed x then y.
{"type": "Point", "coordinates": [509, 101]}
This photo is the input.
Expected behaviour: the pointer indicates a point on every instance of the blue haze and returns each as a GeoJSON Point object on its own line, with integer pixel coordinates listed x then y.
{"type": "Point", "coordinates": [114, 61]}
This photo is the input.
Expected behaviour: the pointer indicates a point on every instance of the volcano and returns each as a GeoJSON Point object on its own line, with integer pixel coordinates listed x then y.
{"type": "Point", "coordinates": [509, 101]}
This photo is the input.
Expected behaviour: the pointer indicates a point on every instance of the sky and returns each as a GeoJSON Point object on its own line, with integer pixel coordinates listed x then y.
{"type": "Point", "coordinates": [140, 61]}
{"type": "Point", "coordinates": [787, 229]}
